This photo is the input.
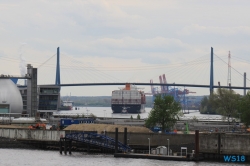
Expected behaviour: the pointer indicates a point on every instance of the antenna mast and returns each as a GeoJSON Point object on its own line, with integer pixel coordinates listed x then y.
{"type": "Point", "coordinates": [229, 70]}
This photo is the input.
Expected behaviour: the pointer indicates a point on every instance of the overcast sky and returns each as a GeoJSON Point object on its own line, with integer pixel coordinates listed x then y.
{"type": "Point", "coordinates": [125, 40]}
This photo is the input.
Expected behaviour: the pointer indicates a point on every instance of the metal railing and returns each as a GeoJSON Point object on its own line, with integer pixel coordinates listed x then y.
{"type": "Point", "coordinates": [98, 140]}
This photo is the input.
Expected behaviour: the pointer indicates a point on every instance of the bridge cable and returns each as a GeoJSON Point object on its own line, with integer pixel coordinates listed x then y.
{"type": "Point", "coordinates": [46, 61]}
{"type": "Point", "coordinates": [179, 70]}
{"type": "Point", "coordinates": [90, 69]}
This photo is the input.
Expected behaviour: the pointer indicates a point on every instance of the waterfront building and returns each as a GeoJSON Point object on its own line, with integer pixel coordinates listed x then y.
{"type": "Point", "coordinates": [30, 99]}
{"type": "Point", "coordinates": [48, 99]}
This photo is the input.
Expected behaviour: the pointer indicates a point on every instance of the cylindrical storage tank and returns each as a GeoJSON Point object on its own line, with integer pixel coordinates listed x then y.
{"type": "Point", "coordinates": [10, 96]}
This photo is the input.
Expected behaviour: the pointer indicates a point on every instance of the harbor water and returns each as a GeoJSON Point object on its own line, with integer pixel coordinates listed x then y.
{"type": "Point", "coordinates": [22, 157]}
{"type": "Point", "coordinates": [106, 112]}
{"type": "Point", "coordinates": [27, 157]}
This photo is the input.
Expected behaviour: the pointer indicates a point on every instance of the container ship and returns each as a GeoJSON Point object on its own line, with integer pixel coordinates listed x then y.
{"type": "Point", "coordinates": [66, 105]}
{"type": "Point", "coordinates": [128, 100]}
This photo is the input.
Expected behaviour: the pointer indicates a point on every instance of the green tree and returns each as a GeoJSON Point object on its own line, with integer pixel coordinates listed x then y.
{"type": "Point", "coordinates": [206, 106]}
{"type": "Point", "coordinates": [165, 113]}
{"type": "Point", "coordinates": [138, 116]}
{"type": "Point", "coordinates": [131, 117]}
{"type": "Point", "coordinates": [195, 119]}
{"type": "Point", "coordinates": [203, 106]}
{"type": "Point", "coordinates": [204, 101]}
{"type": "Point", "coordinates": [243, 112]}
{"type": "Point", "coordinates": [225, 102]}
{"type": "Point", "coordinates": [92, 116]}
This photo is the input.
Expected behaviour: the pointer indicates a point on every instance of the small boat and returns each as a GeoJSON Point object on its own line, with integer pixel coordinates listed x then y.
{"type": "Point", "coordinates": [66, 105]}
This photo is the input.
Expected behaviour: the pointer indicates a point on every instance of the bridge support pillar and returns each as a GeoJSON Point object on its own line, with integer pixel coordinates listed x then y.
{"type": "Point", "coordinates": [197, 148]}
{"type": "Point", "coordinates": [60, 145]}
{"type": "Point", "coordinates": [212, 72]}
{"type": "Point", "coordinates": [65, 146]}
{"type": "Point", "coordinates": [116, 140]}
{"type": "Point", "coordinates": [58, 79]}
{"type": "Point", "coordinates": [70, 146]}
{"type": "Point", "coordinates": [125, 136]}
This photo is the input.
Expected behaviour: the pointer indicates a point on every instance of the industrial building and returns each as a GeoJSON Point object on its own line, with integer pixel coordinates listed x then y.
{"type": "Point", "coordinates": [29, 100]}
{"type": "Point", "coordinates": [48, 100]}
{"type": "Point", "coordinates": [10, 97]}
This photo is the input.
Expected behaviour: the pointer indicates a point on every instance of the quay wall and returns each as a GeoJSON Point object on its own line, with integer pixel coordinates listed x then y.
{"type": "Point", "coordinates": [44, 135]}
{"type": "Point", "coordinates": [221, 143]}
{"type": "Point", "coordinates": [210, 143]}
{"type": "Point", "coordinates": [156, 139]}
{"type": "Point", "coordinates": [141, 141]}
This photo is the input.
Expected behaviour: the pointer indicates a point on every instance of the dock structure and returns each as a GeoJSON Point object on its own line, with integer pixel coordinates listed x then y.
{"type": "Point", "coordinates": [197, 146]}
{"type": "Point", "coordinates": [161, 156]}
{"type": "Point", "coordinates": [65, 144]}
{"type": "Point", "coordinates": [157, 157]}
{"type": "Point", "coordinates": [98, 140]}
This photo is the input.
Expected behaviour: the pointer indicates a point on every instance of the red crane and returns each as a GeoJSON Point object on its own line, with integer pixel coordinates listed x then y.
{"type": "Point", "coordinates": [161, 82]}
{"type": "Point", "coordinates": [165, 82]}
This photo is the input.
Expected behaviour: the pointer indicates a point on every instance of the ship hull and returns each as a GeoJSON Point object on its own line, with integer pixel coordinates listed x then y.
{"type": "Point", "coordinates": [130, 108]}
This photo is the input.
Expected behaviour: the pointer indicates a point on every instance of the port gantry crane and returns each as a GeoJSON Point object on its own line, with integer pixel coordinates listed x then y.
{"type": "Point", "coordinates": [178, 94]}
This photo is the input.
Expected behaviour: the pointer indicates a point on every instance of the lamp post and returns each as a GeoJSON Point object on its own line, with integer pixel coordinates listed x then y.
{"type": "Point", "coordinates": [208, 120]}
{"type": "Point", "coordinates": [148, 145]}
{"type": "Point", "coordinates": [112, 118]}
{"type": "Point", "coordinates": [168, 146]}
{"type": "Point", "coordinates": [228, 122]}
{"type": "Point", "coordinates": [239, 121]}
{"type": "Point", "coordinates": [104, 114]}
{"type": "Point", "coordinates": [87, 113]}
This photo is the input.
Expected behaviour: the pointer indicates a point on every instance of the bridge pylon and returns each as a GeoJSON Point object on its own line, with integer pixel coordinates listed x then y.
{"type": "Point", "coordinates": [212, 72]}
{"type": "Point", "coordinates": [58, 79]}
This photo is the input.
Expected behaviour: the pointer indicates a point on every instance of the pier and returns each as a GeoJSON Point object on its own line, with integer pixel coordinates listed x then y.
{"type": "Point", "coordinates": [133, 145]}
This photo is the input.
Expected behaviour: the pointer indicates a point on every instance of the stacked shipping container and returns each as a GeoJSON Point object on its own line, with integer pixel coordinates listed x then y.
{"type": "Point", "coordinates": [129, 98]}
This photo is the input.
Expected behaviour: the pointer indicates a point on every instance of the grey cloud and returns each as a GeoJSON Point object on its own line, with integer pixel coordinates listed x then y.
{"type": "Point", "coordinates": [152, 33]}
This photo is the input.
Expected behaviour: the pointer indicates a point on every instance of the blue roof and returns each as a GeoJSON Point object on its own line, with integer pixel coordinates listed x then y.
{"type": "Point", "coordinates": [14, 80]}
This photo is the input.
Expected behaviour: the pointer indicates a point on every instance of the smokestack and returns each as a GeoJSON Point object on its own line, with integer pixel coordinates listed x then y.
{"type": "Point", "coordinates": [22, 65]}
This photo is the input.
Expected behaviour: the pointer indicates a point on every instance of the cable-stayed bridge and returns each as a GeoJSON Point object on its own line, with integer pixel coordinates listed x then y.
{"type": "Point", "coordinates": [208, 62]}
{"type": "Point", "coordinates": [203, 72]}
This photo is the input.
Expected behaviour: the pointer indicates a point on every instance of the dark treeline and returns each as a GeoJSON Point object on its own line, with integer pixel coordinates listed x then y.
{"type": "Point", "coordinates": [228, 103]}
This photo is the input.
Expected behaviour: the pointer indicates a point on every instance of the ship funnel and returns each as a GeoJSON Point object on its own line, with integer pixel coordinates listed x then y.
{"type": "Point", "coordinates": [127, 87]}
